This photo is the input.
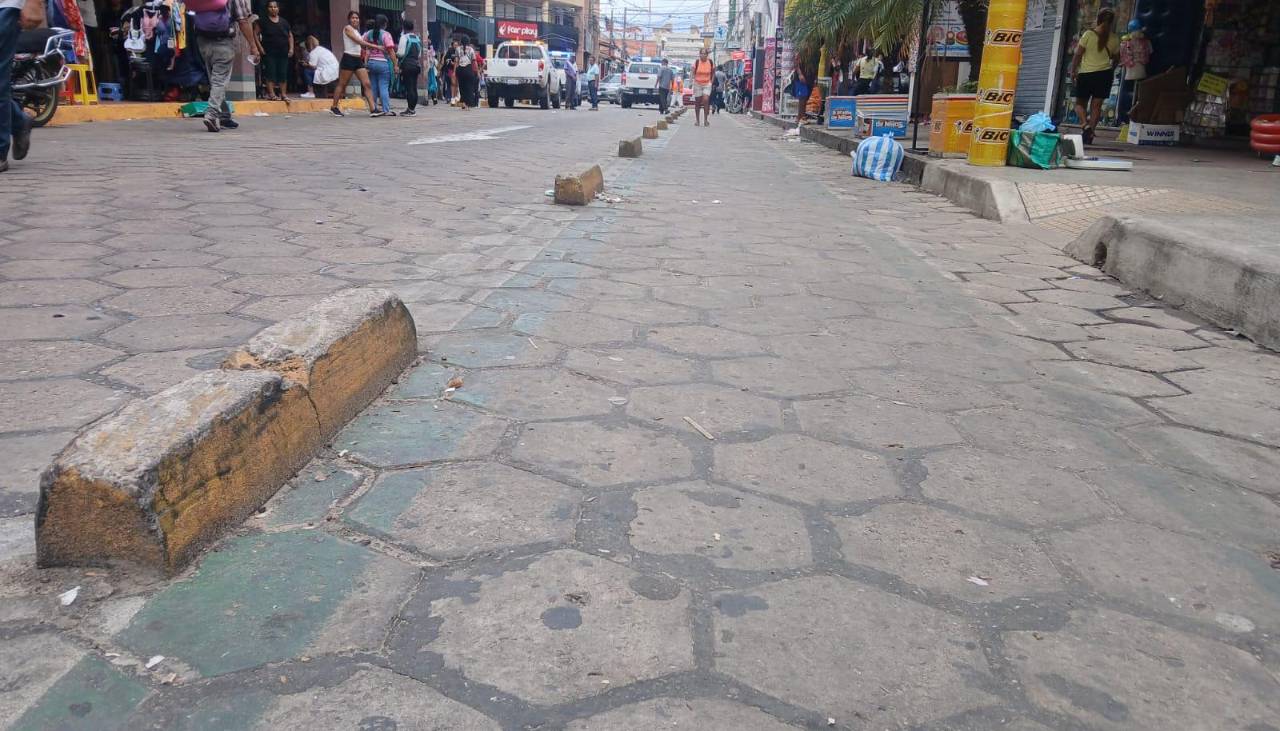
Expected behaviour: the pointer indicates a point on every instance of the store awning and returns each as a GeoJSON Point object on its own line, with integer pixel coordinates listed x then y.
{"type": "Point", "coordinates": [449, 15]}
{"type": "Point", "coordinates": [393, 6]}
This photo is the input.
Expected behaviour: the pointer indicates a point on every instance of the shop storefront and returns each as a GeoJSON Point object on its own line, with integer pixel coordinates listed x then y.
{"type": "Point", "coordinates": [1220, 61]}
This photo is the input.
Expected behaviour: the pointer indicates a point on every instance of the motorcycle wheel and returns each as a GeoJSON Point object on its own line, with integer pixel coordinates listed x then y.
{"type": "Point", "coordinates": [41, 105]}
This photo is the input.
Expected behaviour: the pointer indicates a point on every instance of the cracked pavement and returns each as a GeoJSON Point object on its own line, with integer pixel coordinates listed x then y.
{"type": "Point", "coordinates": [760, 446]}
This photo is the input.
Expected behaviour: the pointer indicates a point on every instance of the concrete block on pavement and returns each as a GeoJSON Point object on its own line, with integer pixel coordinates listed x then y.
{"type": "Point", "coordinates": [662, 124]}
{"type": "Point", "coordinates": [997, 200]}
{"type": "Point", "coordinates": [630, 148]}
{"type": "Point", "coordinates": [578, 190]}
{"type": "Point", "coordinates": [345, 350]}
{"type": "Point", "coordinates": [163, 476]}
{"type": "Point", "coordinates": [650, 132]}
{"type": "Point", "coordinates": [1226, 272]}
{"type": "Point", "coordinates": [166, 475]}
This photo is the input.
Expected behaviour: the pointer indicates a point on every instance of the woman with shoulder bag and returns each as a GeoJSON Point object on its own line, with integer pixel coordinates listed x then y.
{"type": "Point", "coordinates": [1092, 70]}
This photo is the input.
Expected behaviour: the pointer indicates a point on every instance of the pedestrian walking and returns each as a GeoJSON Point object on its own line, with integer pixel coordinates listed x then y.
{"type": "Point", "coordinates": [717, 90]}
{"type": "Point", "coordinates": [276, 39]}
{"type": "Point", "coordinates": [1093, 66]}
{"type": "Point", "coordinates": [217, 30]}
{"type": "Point", "coordinates": [449, 68]}
{"type": "Point", "coordinates": [666, 83]}
{"type": "Point", "coordinates": [409, 51]}
{"type": "Point", "coordinates": [571, 84]}
{"type": "Point", "coordinates": [431, 63]}
{"type": "Point", "coordinates": [15, 125]}
{"type": "Point", "coordinates": [468, 78]}
{"type": "Point", "coordinates": [703, 75]}
{"type": "Point", "coordinates": [593, 81]}
{"type": "Point", "coordinates": [380, 58]}
{"type": "Point", "coordinates": [320, 67]}
{"type": "Point", "coordinates": [352, 64]}
{"type": "Point", "coordinates": [865, 70]}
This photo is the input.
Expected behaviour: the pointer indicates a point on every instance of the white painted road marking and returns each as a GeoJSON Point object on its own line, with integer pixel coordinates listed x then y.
{"type": "Point", "coordinates": [480, 134]}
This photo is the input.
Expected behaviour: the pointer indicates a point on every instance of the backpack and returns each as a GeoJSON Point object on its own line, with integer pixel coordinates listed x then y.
{"type": "Point", "coordinates": [413, 53]}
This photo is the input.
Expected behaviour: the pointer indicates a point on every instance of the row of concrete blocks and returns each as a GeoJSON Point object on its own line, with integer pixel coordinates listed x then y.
{"type": "Point", "coordinates": [579, 189]}
{"type": "Point", "coordinates": [164, 476]}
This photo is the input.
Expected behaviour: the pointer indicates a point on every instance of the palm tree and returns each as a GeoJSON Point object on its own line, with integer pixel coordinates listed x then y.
{"type": "Point", "coordinates": [836, 23]}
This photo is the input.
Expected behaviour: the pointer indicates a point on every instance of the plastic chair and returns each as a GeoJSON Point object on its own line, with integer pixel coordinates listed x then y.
{"type": "Point", "coordinates": [86, 90]}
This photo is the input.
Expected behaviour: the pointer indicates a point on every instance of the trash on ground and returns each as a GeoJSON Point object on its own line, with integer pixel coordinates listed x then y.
{"type": "Point", "coordinates": [617, 400]}
{"type": "Point", "coordinates": [716, 536]}
{"type": "Point", "coordinates": [455, 382]}
{"type": "Point", "coordinates": [979, 581]}
{"type": "Point", "coordinates": [535, 345]}
{"type": "Point", "coordinates": [615, 358]}
{"type": "Point", "coordinates": [261, 114]}
{"type": "Point", "coordinates": [549, 193]}
{"type": "Point", "coordinates": [154, 661]}
{"type": "Point", "coordinates": [698, 428]}
{"type": "Point", "coordinates": [321, 477]}
{"type": "Point", "coordinates": [715, 203]}
{"type": "Point", "coordinates": [68, 596]}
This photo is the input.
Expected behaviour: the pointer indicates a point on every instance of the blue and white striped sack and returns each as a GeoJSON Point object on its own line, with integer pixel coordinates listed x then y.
{"type": "Point", "coordinates": [877, 158]}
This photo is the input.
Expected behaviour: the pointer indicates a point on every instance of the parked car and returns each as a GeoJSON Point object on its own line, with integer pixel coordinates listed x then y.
{"type": "Point", "coordinates": [609, 88]}
{"type": "Point", "coordinates": [522, 70]}
{"type": "Point", "coordinates": [639, 84]}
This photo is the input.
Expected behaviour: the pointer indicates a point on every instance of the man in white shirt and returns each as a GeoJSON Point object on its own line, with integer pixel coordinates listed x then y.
{"type": "Point", "coordinates": [593, 81]}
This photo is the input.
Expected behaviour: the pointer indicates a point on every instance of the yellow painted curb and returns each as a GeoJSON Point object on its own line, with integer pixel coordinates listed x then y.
{"type": "Point", "coordinates": [123, 111]}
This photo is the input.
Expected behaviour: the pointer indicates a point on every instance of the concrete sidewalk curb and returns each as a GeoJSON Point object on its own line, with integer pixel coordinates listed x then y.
{"type": "Point", "coordinates": [650, 132]}
{"type": "Point", "coordinates": [996, 200]}
{"type": "Point", "coordinates": [662, 124]}
{"type": "Point", "coordinates": [630, 148]}
{"type": "Point", "coordinates": [162, 477]}
{"type": "Point", "coordinates": [580, 189]}
{"type": "Point", "coordinates": [1229, 286]}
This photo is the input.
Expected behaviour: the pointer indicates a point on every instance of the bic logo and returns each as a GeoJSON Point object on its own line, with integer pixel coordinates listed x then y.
{"type": "Point", "coordinates": [964, 126]}
{"type": "Point", "coordinates": [990, 136]}
{"type": "Point", "coordinates": [996, 37]}
{"type": "Point", "coordinates": [996, 96]}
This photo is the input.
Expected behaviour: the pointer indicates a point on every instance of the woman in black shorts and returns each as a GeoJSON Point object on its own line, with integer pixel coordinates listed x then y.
{"type": "Point", "coordinates": [1093, 68]}
{"type": "Point", "coordinates": [352, 62]}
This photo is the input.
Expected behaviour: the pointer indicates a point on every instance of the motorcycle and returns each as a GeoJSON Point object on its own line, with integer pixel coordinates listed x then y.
{"type": "Point", "coordinates": [39, 71]}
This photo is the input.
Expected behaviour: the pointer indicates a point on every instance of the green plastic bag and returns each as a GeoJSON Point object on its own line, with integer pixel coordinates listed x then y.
{"type": "Point", "coordinates": [1038, 150]}
{"type": "Point", "coordinates": [197, 109]}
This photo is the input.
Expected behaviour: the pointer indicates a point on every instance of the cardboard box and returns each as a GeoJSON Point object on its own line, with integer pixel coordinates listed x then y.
{"type": "Point", "coordinates": [1153, 134]}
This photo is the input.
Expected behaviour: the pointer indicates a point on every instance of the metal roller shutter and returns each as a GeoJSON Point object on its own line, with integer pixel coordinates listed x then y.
{"type": "Point", "coordinates": [1039, 48]}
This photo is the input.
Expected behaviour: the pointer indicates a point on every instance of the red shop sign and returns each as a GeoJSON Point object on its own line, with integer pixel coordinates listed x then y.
{"type": "Point", "coordinates": [518, 30]}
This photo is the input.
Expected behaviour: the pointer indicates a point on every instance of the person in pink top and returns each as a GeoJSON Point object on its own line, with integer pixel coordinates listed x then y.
{"type": "Point", "coordinates": [380, 59]}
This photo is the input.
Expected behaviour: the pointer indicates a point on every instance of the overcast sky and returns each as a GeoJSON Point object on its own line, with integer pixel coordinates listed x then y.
{"type": "Point", "coordinates": [677, 12]}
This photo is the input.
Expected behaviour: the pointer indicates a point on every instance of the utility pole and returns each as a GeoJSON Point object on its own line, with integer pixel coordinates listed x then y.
{"type": "Point", "coordinates": [625, 55]}
{"type": "Point", "coordinates": [613, 39]}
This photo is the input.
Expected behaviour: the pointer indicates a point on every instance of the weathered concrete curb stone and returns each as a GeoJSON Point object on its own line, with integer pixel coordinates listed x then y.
{"type": "Point", "coordinates": [1230, 280]}
{"type": "Point", "coordinates": [155, 481]}
{"type": "Point", "coordinates": [580, 189]}
{"type": "Point", "coordinates": [662, 124]}
{"type": "Point", "coordinates": [650, 132]}
{"type": "Point", "coordinates": [344, 350]}
{"type": "Point", "coordinates": [630, 148]}
{"type": "Point", "coordinates": [996, 200]}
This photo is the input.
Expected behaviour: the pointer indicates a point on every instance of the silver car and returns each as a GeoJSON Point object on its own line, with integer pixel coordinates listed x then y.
{"type": "Point", "coordinates": [609, 88]}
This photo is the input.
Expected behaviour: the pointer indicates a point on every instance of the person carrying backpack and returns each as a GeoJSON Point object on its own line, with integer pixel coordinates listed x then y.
{"type": "Point", "coordinates": [215, 23]}
{"type": "Point", "coordinates": [409, 51]}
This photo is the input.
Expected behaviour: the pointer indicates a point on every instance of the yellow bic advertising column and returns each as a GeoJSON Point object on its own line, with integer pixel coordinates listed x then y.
{"type": "Point", "coordinates": [997, 79]}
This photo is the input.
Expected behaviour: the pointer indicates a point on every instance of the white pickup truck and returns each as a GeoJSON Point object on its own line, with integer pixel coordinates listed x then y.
{"type": "Point", "coordinates": [522, 70]}
{"type": "Point", "coordinates": [639, 84]}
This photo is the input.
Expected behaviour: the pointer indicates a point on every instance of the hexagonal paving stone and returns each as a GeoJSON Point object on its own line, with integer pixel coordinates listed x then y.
{"type": "Point", "coordinates": [631, 366]}
{"type": "Point", "coordinates": [764, 322]}
{"type": "Point", "coordinates": [378, 272]}
{"type": "Point", "coordinates": [447, 316]}
{"type": "Point", "coordinates": [270, 264]}
{"type": "Point", "coordinates": [1096, 376]}
{"type": "Point", "coordinates": [833, 350]}
{"type": "Point", "coordinates": [175, 301]}
{"type": "Point", "coordinates": [35, 359]}
{"type": "Point", "coordinates": [727, 528]}
{"type": "Point", "coordinates": [154, 372]}
{"type": "Point", "coordinates": [174, 332]}
{"type": "Point", "coordinates": [54, 403]}
{"type": "Point", "coordinates": [278, 308]}
{"type": "Point", "coordinates": [567, 606]}
{"type": "Point", "coordinates": [707, 714]}
{"type": "Point", "coordinates": [779, 376]}
{"type": "Point", "coordinates": [1157, 337]}
{"type": "Point", "coordinates": [53, 323]}
{"type": "Point", "coordinates": [718, 409]}
{"type": "Point", "coordinates": [874, 422]}
{"type": "Point", "coordinates": [1210, 455]}
{"type": "Point", "coordinates": [166, 277]}
{"type": "Point", "coordinates": [890, 663]}
{"type": "Point", "coordinates": [373, 699]}
{"type": "Point", "coordinates": [1171, 573]}
{"type": "Point", "coordinates": [51, 269]}
{"type": "Point", "coordinates": [575, 328]}
{"type": "Point", "coordinates": [1011, 488]}
{"type": "Point", "coordinates": [279, 284]}
{"type": "Point", "coordinates": [939, 551]}
{"type": "Point", "coordinates": [1078, 404]}
{"type": "Point", "coordinates": [1189, 504]}
{"type": "Point", "coordinates": [644, 312]}
{"type": "Point", "coordinates": [404, 433]}
{"type": "Point", "coordinates": [161, 241]}
{"type": "Point", "coordinates": [705, 341]}
{"type": "Point", "coordinates": [486, 349]}
{"type": "Point", "coordinates": [701, 297]}
{"type": "Point", "coordinates": [1130, 355]}
{"type": "Point", "coordinates": [597, 455]}
{"type": "Point", "coordinates": [1210, 411]}
{"type": "Point", "coordinates": [520, 301]}
{"type": "Point", "coordinates": [928, 390]}
{"type": "Point", "coordinates": [597, 289]}
{"type": "Point", "coordinates": [1050, 440]}
{"type": "Point", "coordinates": [44, 249]}
{"type": "Point", "coordinates": [459, 510]}
{"type": "Point", "coordinates": [1114, 671]}
{"type": "Point", "coordinates": [530, 395]}
{"type": "Point", "coordinates": [51, 292]}
{"type": "Point", "coordinates": [806, 470]}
